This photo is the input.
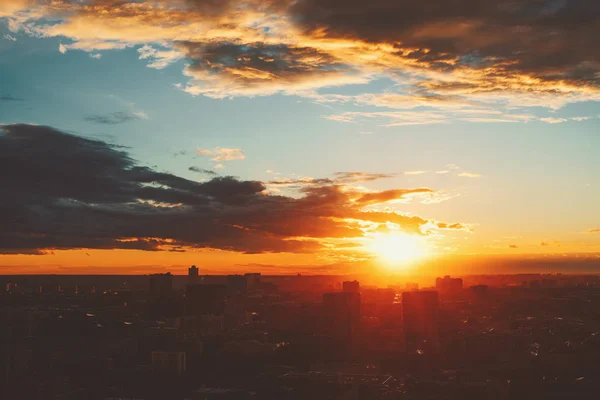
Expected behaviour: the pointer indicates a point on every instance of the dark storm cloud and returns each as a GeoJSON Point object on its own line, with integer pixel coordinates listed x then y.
{"type": "Point", "coordinates": [61, 191]}
{"type": "Point", "coordinates": [223, 69]}
{"type": "Point", "coordinates": [550, 39]}
{"type": "Point", "coordinates": [202, 170]}
{"type": "Point", "coordinates": [113, 118]}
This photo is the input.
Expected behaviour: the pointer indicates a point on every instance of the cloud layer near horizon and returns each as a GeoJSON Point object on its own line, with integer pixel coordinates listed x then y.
{"type": "Point", "coordinates": [477, 60]}
{"type": "Point", "coordinates": [62, 191]}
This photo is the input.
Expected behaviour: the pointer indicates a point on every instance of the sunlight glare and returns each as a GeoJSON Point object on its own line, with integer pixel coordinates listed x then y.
{"type": "Point", "coordinates": [398, 249]}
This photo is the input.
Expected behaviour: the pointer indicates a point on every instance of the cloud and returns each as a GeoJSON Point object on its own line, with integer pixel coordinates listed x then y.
{"type": "Point", "coordinates": [249, 69]}
{"type": "Point", "coordinates": [453, 59]}
{"type": "Point", "coordinates": [9, 98]}
{"type": "Point", "coordinates": [202, 171]}
{"type": "Point", "coordinates": [96, 56]}
{"type": "Point", "coordinates": [67, 192]}
{"type": "Point", "coordinates": [222, 154]}
{"type": "Point", "coordinates": [415, 172]}
{"type": "Point", "coordinates": [552, 120]}
{"type": "Point", "coordinates": [115, 118]}
{"type": "Point", "coordinates": [389, 195]}
{"type": "Point", "coordinates": [158, 59]}
{"type": "Point", "coordinates": [9, 37]}
{"type": "Point", "coordinates": [513, 246]}
{"type": "Point", "coordinates": [469, 175]}
{"type": "Point", "coordinates": [339, 178]}
{"type": "Point", "coordinates": [593, 230]}
{"type": "Point", "coordinates": [355, 177]}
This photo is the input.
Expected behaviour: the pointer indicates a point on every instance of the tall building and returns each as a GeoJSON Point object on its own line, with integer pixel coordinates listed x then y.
{"type": "Point", "coordinates": [448, 284]}
{"type": "Point", "coordinates": [420, 319]}
{"type": "Point", "coordinates": [205, 299]}
{"type": "Point", "coordinates": [169, 361]}
{"type": "Point", "coordinates": [252, 280]}
{"type": "Point", "coordinates": [237, 283]}
{"type": "Point", "coordinates": [193, 274]}
{"type": "Point", "coordinates": [161, 285]}
{"type": "Point", "coordinates": [342, 315]}
{"type": "Point", "coordinates": [351, 287]}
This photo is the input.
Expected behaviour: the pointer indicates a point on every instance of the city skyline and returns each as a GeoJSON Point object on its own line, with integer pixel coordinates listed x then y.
{"type": "Point", "coordinates": [299, 137]}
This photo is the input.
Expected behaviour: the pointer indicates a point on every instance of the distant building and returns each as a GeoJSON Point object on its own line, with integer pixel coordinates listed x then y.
{"type": "Point", "coordinates": [169, 361]}
{"type": "Point", "coordinates": [479, 290]}
{"type": "Point", "coordinates": [448, 284]}
{"type": "Point", "coordinates": [342, 315]}
{"type": "Point", "coordinates": [412, 286]}
{"type": "Point", "coordinates": [237, 283]}
{"type": "Point", "coordinates": [351, 287]}
{"type": "Point", "coordinates": [193, 271]}
{"type": "Point", "coordinates": [161, 285]}
{"type": "Point", "coordinates": [205, 299]}
{"type": "Point", "coordinates": [420, 318]}
{"type": "Point", "coordinates": [252, 280]}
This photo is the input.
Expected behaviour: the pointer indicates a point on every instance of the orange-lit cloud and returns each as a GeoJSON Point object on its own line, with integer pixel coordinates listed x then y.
{"type": "Point", "coordinates": [67, 192]}
{"type": "Point", "coordinates": [463, 57]}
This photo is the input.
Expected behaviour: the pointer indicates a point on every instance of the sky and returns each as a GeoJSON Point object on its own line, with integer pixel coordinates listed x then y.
{"type": "Point", "coordinates": [312, 136]}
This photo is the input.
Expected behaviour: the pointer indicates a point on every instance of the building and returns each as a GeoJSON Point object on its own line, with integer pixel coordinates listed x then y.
{"type": "Point", "coordinates": [448, 284]}
{"type": "Point", "coordinates": [351, 287]}
{"type": "Point", "coordinates": [193, 271]}
{"type": "Point", "coordinates": [205, 299]}
{"type": "Point", "coordinates": [252, 280]}
{"type": "Point", "coordinates": [237, 283]}
{"type": "Point", "coordinates": [420, 319]}
{"type": "Point", "coordinates": [161, 285]}
{"type": "Point", "coordinates": [479, 290]}
{"type": "Point", "coordinates": [169, 361]}
{"type": "Point", "coordinates": [342, 315]}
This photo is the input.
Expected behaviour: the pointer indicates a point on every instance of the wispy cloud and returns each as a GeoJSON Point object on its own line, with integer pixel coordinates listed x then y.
{"type": "Point", "coordinates": [469, 175]}
{"type": "Point", "coordinates": [10, 98]}
{"type": "Point", "coordinates": [220, 154]}
{"type": "Point", "coordinates": [202, 170]}
{"type": "Point", "coordinates": [119, 117]}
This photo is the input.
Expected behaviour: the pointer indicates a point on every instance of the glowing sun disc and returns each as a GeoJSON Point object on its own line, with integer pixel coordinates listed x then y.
{"type": "Point", "coordinates": [397, 248]}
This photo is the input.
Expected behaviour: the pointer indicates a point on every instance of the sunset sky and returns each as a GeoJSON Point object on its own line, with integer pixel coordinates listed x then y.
{"type": "Point", "coordinates": [280, 136]}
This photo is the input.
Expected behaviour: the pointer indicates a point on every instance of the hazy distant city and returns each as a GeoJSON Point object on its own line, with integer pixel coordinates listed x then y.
{"type": "Point", "coordinates": [251, 336]}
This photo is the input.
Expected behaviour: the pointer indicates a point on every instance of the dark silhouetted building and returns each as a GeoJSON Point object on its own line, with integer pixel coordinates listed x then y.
{"type": "Point", "coordinates": [448, 284]}
{"type": "Point", "coordinates": [420, 318]}
{"type": "Point", "coordinates": [173, 362]}
{"type": "Point", "coordinates": [342, 315]}
{"type": "Point", "coordinates": [193, 271]}
{"type": "Point", "coordinates": [252, 280]}
{"type": "Point", "coordinates": [161, 285]}
{"type": "Point", "coordinates": [479, 290]}
{"type": "Point", "coordinates": [205, 299]}
{"type": "Point", "coordinates": [236, 283]}
{"type": "Point", "coordinates": [351, 287]}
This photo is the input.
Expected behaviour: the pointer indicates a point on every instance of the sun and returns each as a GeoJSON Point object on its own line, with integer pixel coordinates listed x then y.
{"type": "Point", "coordinates": [398, 249]}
